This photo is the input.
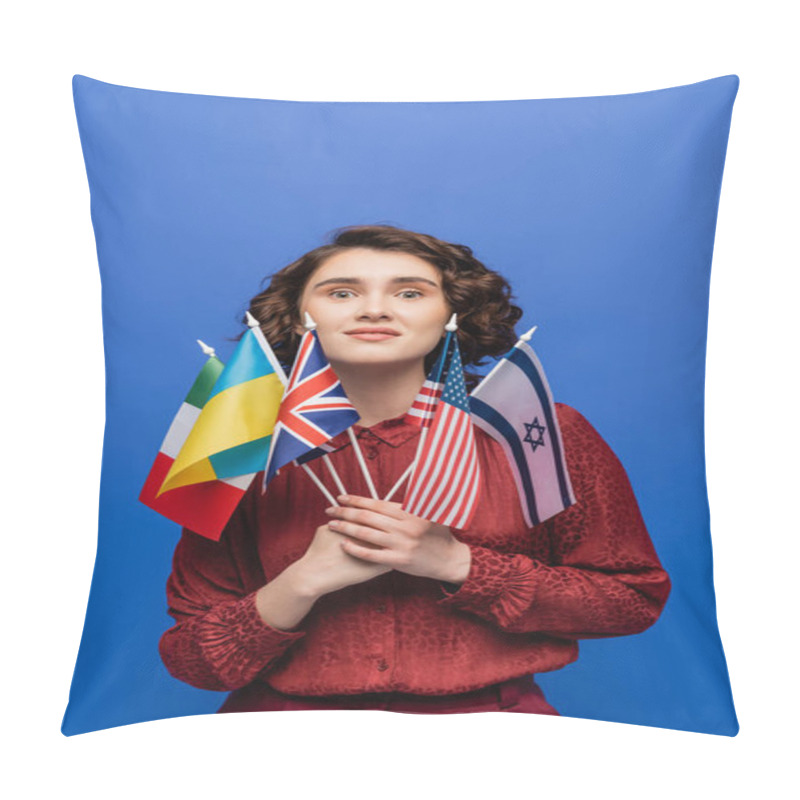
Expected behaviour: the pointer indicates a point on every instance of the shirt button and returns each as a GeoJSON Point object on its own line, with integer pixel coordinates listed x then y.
{"type": "Point", "coordinates": [381, 609]}
{"type": "Point", "coordinates": [382, 665]}
{"type": "Point", "coordinates": [371, 453]}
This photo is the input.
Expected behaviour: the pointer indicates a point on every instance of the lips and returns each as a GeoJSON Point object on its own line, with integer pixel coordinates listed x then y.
{"type": "Point", "coordinates": [372, 334]}
{"type": "Point", "coordinates": [389, 331]}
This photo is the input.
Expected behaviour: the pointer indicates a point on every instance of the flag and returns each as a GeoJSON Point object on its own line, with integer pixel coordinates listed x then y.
{"type": "Point", "coordinates": [218, 440]}
{"type": "Point", "coordinates": [317, 452]}
{"type": "Point", "coordinates": [445, 481]}
{"type": "Point", "coordinates": [424, 405]}
{"type": "Point", "coordinates": [314, 408]}
{"type": "Point", "coordinates": [514, 405]}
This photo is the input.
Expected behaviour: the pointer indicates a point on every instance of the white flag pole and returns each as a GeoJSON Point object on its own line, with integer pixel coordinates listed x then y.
{"type": "Point", "coordinates": [310, 325]}
{"type": "Point", "coordinates": [401, 480]}
{"type": "Point", "coordinates": [320, 485]}
{"type": "Point", "coordinates": [337, 480]}
{"type": "Point", "coordinates": [334, 475]}
{"type": "Point", "coordinates": [451, 327]}
{"type": "Point", "coordinates": [526, 337]}
{"type": "Point", "coordinates": [208, 350]}
{"type": "Point", "coordinates": [362, 463]}
{"type": "Point", "coordinates": [255, 326]}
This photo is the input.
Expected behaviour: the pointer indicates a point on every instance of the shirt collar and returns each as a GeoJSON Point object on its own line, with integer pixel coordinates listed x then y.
{"type": "Point", "coordinates": [393, 431]}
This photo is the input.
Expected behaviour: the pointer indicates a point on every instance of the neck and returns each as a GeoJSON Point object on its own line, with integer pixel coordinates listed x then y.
{"type": "Point", "coordinates": [381, 391]}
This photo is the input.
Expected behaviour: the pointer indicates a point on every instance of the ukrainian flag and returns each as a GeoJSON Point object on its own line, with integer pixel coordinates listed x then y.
{"type": "Point", "coordinates": [232, 434]}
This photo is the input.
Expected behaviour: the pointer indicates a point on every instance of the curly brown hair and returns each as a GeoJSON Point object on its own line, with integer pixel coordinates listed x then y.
{"type": "Point", "coordinates": [480, 297]}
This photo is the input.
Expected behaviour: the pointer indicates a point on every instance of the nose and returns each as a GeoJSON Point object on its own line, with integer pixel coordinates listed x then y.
{"type": "Point", "coordinates": [373, 307]}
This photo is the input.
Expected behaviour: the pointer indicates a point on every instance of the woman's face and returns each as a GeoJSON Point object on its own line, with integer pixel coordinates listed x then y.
{"type": "Point", "coordinates": [376, 307]}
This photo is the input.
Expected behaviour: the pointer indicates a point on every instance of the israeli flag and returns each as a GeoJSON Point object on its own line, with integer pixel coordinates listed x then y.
{"type": "Point", "coordinates": [514, 405]}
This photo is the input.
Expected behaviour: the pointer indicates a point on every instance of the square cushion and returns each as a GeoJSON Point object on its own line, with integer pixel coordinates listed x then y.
{"type": "Point", "coordinates": [599, 211]}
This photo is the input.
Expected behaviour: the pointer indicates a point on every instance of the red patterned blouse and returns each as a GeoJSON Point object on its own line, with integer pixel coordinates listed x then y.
{"type": "Point", "coordinates": [590, 571]}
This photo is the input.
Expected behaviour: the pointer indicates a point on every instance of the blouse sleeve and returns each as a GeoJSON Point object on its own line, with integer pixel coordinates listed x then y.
{"type": "Point", "coordinates": [604, 577]}
{"type": "Point", "coordinates": [219, 641]}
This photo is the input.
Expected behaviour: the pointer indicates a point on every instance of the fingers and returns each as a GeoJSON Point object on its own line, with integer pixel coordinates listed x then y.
{"type": "Point", "coordinates": [374, 556]}
{"type": "Point", "coordinates": [371, 535]}
{"type": "Point", "coordinates": [385, 507]}
{"type": "Point", "coordinates": [363, 516]}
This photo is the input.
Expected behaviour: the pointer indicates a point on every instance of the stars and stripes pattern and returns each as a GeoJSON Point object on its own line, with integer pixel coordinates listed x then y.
{"type": "Point", "coordinates": [446, 480]}
{"type": "Point", "coordinates": [313, 410]}
{"type": "Point", "coordinates": [424, 405]}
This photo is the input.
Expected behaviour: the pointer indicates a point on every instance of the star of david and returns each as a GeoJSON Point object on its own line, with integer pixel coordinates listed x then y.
{"type": "Point", "coordinates": [529, 428]}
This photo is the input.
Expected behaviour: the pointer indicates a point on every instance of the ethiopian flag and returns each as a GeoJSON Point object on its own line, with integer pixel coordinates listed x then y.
{"type": "Point", "coordinates": [219, 439]}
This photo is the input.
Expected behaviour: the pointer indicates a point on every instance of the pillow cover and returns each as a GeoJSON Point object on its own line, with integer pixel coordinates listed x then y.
{"type": "Point", "coordinates": [600, 214]}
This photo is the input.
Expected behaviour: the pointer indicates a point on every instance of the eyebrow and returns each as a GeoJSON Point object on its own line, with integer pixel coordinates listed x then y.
{"type": "Point", "coordinates": [359, 281]}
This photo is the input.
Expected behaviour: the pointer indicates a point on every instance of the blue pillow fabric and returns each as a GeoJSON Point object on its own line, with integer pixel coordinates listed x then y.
{"type": "Point", "coordinates": [601, 213]}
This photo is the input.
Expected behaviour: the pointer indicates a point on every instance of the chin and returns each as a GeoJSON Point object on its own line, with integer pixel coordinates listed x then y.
{"type": "Point", "coordinates": [375, 359]}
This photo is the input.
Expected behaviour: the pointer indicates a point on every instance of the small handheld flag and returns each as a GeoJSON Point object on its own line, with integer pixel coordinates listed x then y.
{"type": "Point", "coordinates": [218, 440]}
{"type": "Point", "coordinates": [313, 410]}
{"type": "Point", "coordinates": [446, 480]}
{"type": "Point", "coordinates": [317, 452]}
{"type": "Point", "coordinates": [423, 408]}
{"type": "Point", "coordinates": [514, 405]}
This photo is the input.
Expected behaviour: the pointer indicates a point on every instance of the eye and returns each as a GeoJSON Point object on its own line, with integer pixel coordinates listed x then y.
{"type": "Point", "coordinates": [336, 292]}
{"type": "Point", "coordinates": [412, 291]}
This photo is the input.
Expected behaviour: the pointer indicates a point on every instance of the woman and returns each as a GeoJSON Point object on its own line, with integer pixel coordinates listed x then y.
{"type": "Point", "coordinates": [301, 605]}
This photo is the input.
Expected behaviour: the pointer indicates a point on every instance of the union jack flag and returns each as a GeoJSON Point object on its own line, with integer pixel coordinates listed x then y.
{"type": "Point", "coordinates": [313, 410]}
{"type": "Point", "coordinates": [446, 479]}
{"type": "Point", "coordinates": [317, 452]}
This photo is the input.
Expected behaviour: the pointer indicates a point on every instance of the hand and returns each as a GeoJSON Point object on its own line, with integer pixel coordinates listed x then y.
{"type": "Point", "coordinates": [326, 566]}
{"type": "Point", "coordinates": [381, 532]}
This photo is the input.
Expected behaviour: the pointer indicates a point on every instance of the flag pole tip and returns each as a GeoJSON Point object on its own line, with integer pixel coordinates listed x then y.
{"type": "Point", "coordinates": [252, 322]}
{"type": "Point", "coordinates": [209, 351]}
{"type": "Point", "coordinates": [526, 337]}
{"type": "Point", "coordinates": [309, 323]}
{"type": "Point", "coordinates": [451, 324]}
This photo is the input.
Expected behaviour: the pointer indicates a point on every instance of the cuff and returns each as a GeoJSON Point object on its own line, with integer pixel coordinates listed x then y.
{"type": "Point", "coordinates": [499, 586]}
{"type": "Point", "coordinates": [236, 634]}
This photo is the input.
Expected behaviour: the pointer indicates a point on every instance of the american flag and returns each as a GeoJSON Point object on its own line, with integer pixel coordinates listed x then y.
{"type": "Point", "coordinates": [424, 405]}
{"type": "Point", "coordinates": [446, 480]}
{"type": "Point", "coordinates": [313, 410]}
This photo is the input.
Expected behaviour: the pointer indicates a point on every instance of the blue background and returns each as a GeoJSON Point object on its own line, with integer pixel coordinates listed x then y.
{"type": "Point", "coordinates": [600, 211]}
